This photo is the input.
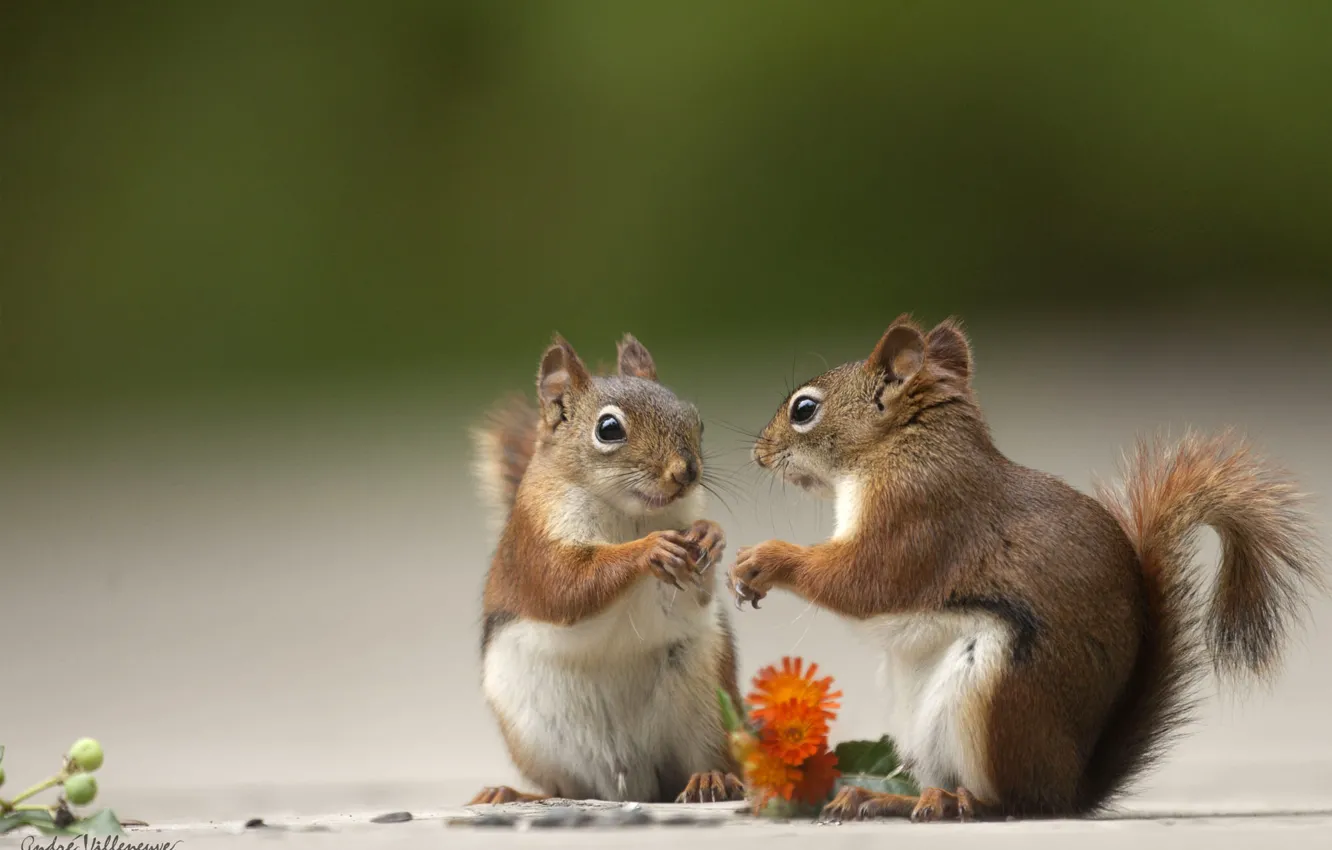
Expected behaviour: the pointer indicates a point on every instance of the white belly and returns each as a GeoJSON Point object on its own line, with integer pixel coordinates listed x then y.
{"type": "Point", "coordinates": [937, 671]}
{"type": "Point", "coordinates": [616, 706]}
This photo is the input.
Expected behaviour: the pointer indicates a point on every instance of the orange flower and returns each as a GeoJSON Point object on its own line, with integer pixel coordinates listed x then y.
{"type": "Point", "coordinates": [818, 774]}
{"type": "Point", "coordinates": [774, 688]}
{"type": "Point", "coordinates": [767, 776]}
{"type": "Point", "coordinates": [790, 710]}
{"type": "Point", "coordinates": [794, 731]}
{"type": "Point", "coordinates": [743, 744]}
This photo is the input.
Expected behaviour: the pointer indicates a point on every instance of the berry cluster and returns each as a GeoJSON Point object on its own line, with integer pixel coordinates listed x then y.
{"type": "Point", "coordinates": [77, 787]}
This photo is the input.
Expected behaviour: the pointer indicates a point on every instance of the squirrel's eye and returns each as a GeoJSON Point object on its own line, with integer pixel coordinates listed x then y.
{"type": "Point", "coordinates": [609, 429]}
{"type": "Point", "coordinates": [803, 409]}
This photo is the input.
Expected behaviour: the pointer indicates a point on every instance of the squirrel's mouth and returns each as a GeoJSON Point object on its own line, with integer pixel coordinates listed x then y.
{"type": "Point", "coordinates": [805, 481]}
{"type": "Point", "coordinates": [801, 477]}
{"type": "Point", "coordinates": [657, 501]}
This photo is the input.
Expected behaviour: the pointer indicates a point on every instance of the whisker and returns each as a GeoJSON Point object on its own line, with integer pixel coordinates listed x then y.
{"type": "Point", "coordinates": [786, 500]}
{"type": "Point", "coordinates": [718, 497]}
{"type": "Point", "coordinates": [797, 618]}
{"type": "Point", "coordinates": [726, 484]}
{"type": "Point", "coordinates": [735, 429]}
{"type": "Point", "coordinates": [738, 447]}
{"type": "Point", "coordinates": [805, 633]}
{"type": "Point", "coordinates": [721, 473]}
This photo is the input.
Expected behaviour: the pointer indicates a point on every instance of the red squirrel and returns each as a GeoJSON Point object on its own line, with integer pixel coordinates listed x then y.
{"type": "Point", "coordinates": [1041, 647]}
{"type": "Point", "coordinates": [603, 647]}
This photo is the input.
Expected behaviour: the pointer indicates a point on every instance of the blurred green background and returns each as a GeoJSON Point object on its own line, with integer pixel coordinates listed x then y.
{"type": "Point", "coordinates": [250, 253]}
{"type": "Point", "coordinates": [197, 198]}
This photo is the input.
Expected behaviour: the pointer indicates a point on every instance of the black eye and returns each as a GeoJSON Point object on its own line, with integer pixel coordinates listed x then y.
{"type": "Point", "coordinates": [803, 409]}
{"type": "Point", "coordinates": [609, 429]}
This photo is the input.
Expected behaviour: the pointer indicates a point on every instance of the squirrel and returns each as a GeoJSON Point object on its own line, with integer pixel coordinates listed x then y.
{"type": "Point", "coordinates": [1041, 647]}
{"type": "Point", "coordinates": [603, 645]}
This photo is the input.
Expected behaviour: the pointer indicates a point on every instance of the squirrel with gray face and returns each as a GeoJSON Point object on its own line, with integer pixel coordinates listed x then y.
{"type": "Point", "coordinates": [603, 646]}
{"type": "Point", "coordinates": [1040, 647]}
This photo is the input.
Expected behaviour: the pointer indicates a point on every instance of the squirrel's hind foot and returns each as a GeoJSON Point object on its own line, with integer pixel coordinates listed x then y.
{"type": "Point", "coordinates": [938, 805]}
{"type": "Point", "coordinates": [503, 794]}
{"type": "Point", "coordinates": [934, 805]}
{"type": "Point", "coordinates": [853, 803]}
{"type": "Point", "coordinates": [712, 786]}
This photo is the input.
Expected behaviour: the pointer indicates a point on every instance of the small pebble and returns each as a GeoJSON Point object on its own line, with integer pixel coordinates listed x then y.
{"type": "Point", "coordinates": [561, 817]}
{"type": "Point", "coordinates": [489, 820]}
{"type": "Point", "coordinates": [392, 817]}
{"type": "Point", "coordinates": [627, 816]}
{"type": "Point", "coordinates": [255, 823]}
{"type": "Point", "coordinates": [678, 819]}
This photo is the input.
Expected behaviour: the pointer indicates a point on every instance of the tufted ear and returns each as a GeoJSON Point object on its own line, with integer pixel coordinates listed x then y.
{"type": "Point", "coordinates": [900, 351]}
{"type": "Point", "coordinates": [634, 359]}
{"type": "Point", "coordinates": [946, 346]}
{"type": "Point", "coordinates": [562, 375]}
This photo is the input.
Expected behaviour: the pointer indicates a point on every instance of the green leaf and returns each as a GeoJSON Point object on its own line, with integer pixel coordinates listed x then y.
{"type": "Point", "coordinates": [39, 819]}
{"type": "Point", "coordinates": [731, 719]}
{"type": "Point", "coordinates": [104, 822]}
{"type": "Point", "coordinates": [871, 758]}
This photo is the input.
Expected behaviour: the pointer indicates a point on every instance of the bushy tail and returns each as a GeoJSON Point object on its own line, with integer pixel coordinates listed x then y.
{"type": "Point", "coordinates": [504, 446]}
{"type": "Point", "coordinates": [1271, 562]}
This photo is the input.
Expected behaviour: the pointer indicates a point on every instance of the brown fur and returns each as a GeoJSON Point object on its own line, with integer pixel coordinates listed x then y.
{"type": "Point", "coordinates": [1101, 600]}
{"type": "Point", "coordinates": [536, 577]}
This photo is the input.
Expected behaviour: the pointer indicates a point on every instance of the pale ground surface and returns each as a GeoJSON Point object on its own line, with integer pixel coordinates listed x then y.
{"type": "Point", "coordinates": [276, 614]}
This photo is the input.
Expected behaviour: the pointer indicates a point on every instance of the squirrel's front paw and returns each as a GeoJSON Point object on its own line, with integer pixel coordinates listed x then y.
{"type": "Point", "coordinates": [669, 558]}
{"type": "Point", "coordinates": [706, 542]}
{"type": "Point", "coordinates": [757, 570]}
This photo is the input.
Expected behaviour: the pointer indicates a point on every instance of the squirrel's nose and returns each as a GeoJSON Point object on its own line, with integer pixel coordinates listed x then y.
{"type": "Point", "coordinates": [758, 456]}
{"type": "Point", "coordinates": [684, 470]}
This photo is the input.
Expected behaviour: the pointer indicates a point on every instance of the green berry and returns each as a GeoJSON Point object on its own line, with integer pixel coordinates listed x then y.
{"type": "Point", "coordinates": [80, 789]}
{"type": "Point", "coordinates": [86, 754]}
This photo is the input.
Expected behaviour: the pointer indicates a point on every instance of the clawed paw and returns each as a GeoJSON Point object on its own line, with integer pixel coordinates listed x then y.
{"type": "Point", "coordinates": [712, 786]}
{"type": "Point", "coordinates": [707, 542]}
{"type": "Point", "coordinates": [845, 805]}
{"type": "Point", "coordinates": [935, 805]}
{"type": "Point", "coordinates": [670, 559]}
{"type": "Point", "coordinates": [932, 806]}
{"type": "Point", "coordinates": [497, 795]}
{"type": "Point", "coordinates": [754, 573]}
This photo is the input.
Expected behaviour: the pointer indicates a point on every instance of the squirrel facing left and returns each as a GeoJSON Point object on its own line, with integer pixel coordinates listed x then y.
{"type": "Point", "coordinates": [603, 645]}
{"type": "Point", "coordinates": [1040, 646]}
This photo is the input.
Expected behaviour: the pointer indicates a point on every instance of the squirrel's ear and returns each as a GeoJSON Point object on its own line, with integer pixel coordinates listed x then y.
{"type": "Point", "coordinates": [635, 362]}
{"type": "Point", "coordinates": [947, 346]}
{"type": "Point", "coordinates": [561, 373]}
{"type": "Point", "coordinates": [900, 351]}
